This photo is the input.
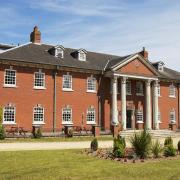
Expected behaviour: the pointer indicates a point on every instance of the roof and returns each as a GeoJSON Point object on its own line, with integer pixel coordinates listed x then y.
{"type": "Point", "coordinates": [6, 46]}
{"type": "Point", "coordinates": [41, 54]}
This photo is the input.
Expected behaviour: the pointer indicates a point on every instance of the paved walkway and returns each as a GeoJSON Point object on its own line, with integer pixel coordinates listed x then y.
{"type": "Point", "coordinates": [51, 145]}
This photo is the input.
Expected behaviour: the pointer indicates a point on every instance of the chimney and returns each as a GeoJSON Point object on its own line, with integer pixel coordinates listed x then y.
{"type": "Point", "coordinates": [144, 53]}
{"type": "Point", "coordinates": [35, 36]}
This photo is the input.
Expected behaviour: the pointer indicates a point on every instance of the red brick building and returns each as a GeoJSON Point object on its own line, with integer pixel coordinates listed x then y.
{"type": "Point", "coordinates": [52, 86]}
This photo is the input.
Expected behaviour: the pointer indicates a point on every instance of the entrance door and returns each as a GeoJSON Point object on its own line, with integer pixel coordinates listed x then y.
{"type": "Point", "coordinates": [128, 119]}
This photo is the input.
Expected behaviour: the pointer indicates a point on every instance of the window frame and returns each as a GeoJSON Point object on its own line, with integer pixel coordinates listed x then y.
{"type": "Point", "coordinates": [170, 91]}
{"type": "Point", "coordinates": [141, 120]}
{"type": "Point", "coordinates": [159, 90]}
{"type": "Point", "coordinates": [128, 91]}
{"type": "Point", "coordinates": [44, 80]}
{"type": "Point", "coordinates": [38, 122]}
{"type": "Point", "coordinates": [89, 115]}
{"type": "Point", "coordinates": [71, 119]}
{"type": "Point", "coordinates": [172, 112]}
{"type": "Point", "coordinates": [142, 85]}
{"type": "Point", "coordinates": [80, 57]}
{"type": "Point", "coordinates": [9, 122]}
{"type": "Point", "coordinates": [92, 84]}
{"type": "Point", "coordinates": [57, 53]}
{"type": "Point", "coordinates": [63, 81]}
{"type": "Point", "coordinates": [15, 80]}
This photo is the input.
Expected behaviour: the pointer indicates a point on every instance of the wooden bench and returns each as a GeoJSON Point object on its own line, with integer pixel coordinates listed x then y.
{"type": "Point", "coordinates": [17, 130]}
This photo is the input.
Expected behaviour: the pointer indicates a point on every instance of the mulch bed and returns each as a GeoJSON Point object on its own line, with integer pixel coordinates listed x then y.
{"type": "Point", "coordinates": [129, 158]}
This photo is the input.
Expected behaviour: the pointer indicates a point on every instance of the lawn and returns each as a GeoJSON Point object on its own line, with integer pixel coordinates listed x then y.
{"type": "Point", "coordinates": [71, 164]}
{"type": "Point", "coordinates": [55, 139]}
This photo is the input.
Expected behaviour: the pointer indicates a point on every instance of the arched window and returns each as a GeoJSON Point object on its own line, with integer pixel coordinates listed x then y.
{"type": "Point", "coordinates": [38, 114]}
{"type": "Point", "coordinates": [139, 89]}
{"type": "Point", "coordinates": [9, 113]}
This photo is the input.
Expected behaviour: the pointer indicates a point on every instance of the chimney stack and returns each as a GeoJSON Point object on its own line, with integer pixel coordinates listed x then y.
{"type": "Point", "coordinates": [144, 53]}
{"type": "Point", "coordinates": [35, 36]}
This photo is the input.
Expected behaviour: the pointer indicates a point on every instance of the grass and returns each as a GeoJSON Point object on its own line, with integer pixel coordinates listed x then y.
{"type": "Point", "coordinates": [55, 139]}
{"type": "Point", "coordinates": [72, 165]}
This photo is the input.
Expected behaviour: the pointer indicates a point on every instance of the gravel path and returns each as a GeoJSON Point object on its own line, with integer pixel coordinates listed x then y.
{"type": "Point", "coordinates": [51, 145]}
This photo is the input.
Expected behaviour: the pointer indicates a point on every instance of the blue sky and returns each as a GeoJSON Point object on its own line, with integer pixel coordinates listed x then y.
{"type": "Point", "coordinates": [112, 26]}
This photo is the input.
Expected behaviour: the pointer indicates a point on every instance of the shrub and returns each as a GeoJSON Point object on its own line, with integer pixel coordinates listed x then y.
{"type": "Point", "coordinates": [119, 147]}
{"type": "Point", "coordinates": [2, 132]}
{"type": "Point", "coordinates": [94, 144]}
{"type": "Point", "coordinates": [156, 149]}
{"type": "Point", "coordinates": [168, 141]}
{"type": "Point", "coordinates": [37, 134]}
{"type": "Point", "coordinates": [178, 145]}
{"type": "Point", "coordinates": [70, 133]}
{"type": "Point", "coordinates": [141, 143]}
{"type": "Point", "coordinates": [169, 150]}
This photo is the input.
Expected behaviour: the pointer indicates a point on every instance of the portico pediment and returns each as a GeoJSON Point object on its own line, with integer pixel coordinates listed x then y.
{"type": "Point", "coordinates": [136, 65]}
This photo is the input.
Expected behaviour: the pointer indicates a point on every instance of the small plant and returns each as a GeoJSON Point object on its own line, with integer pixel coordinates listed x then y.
{"type": "Point", "coordinates": [168, 141]}
{"type": "Point", "coordinates": [1, 115]}
{"type": "Point", "coordinates": [2, 132]}
{"type": "Point", "coordinates": [169, 150]}
{"type": "Point", "coordinates": [70, 133]}
{"type": "Point", "coordinates": [156, 149]}
{"type": "Point", "coordinates": [141, 143]}
{"type": "Point", "coordinates": [37, 134]}
{"type": "Point", "coordinates": [119, 147]}
{"type": "Point", "coordinates": [178, 145]}
{"type": "Point", "coordinates": [94, 144]}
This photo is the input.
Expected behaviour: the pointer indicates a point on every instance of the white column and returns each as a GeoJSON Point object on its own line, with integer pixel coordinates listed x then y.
{"type": "Point", "coordinates": [155, 105]}
{"type": "Point", "coordinates": [114, 111]}
{"type": "Point", "coordinates": [148, 105]}
{"type": "Point", "coordinates": [123, 102]}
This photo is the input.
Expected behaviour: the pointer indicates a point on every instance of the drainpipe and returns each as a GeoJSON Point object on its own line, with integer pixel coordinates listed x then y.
{"type": "Point", "coordinates": [54, 102]}
{"type": "Point", "coordinates": [178, 107]}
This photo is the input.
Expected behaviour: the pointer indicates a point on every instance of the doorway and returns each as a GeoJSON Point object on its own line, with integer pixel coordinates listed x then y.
{"type": "Point", "coordinates": [129, 119]}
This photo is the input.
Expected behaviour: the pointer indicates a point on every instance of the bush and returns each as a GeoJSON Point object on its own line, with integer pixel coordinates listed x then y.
{"type": "Point", "coordinates": [178, 145]}
{"type": "Point", "coordinates": [119, 147]}
{"type": "Point", "coordinates": [94, 144]}
{"type": "Point", "coordinates": [2, 133]}
{"type": "Point", "coordinates": [141, 143]}
{"type": "Point", "coordinates": [169, 150]}
{"type": "Point", "coordinates": [156, 149]}
{"type": "Point", "coordinates": [37, 134]}
{"type": "Point", "coordinates": [168, 141]}
{"type": "Point", "coordinates": [70, 133]}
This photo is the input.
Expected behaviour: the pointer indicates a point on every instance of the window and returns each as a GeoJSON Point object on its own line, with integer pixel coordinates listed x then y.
{"type": "Point", "coordinates": [39, 80]}
{"type": "Point", "coordinates": [82, 56]}
{"type": "Point", "coordinates": [67, 82]}
{"type": "Point", "coordinates": [10, 78]}
{"type": "Point", "coordinates": [159, 90]}
{"type": "Point", "coordinates": [160, 66]}
{"type": "Point", "coordinates": [59, 52]}
{"type": "Point", "coordinates": [128, 87]}
{"type": "Point", "coordinates": [9, 114]}
{"type": "Point", "coordinates": [172, 91]}
{"type": "Point", "coordinates": [38, 115]}
{"type": "Point", "coordinates": [91, 84]}
{"type": "Point", "coordinates": [139, 116]}
{"type": "Point", "coordinates": [139, 88]}
{"type": "Point", "coordinates": [172, 116]}
{"type": "Point", "coordinates": [67, 115]}
{"type": "Point", "coordinates": [90, 116]}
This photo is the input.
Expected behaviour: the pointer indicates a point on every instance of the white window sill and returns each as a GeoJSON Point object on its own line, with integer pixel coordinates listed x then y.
{"type": "Point", "coordinates": [172, 122]}
{"type": "Point", "coordinates": [38, 123]}
{"type": "Point", "coordinates": [68, 90]}
{"type": "Point", "coordinates": [172, 96]}
{"type": "Point", "coordinates": [140, 122]}
{"type": "Point", "coordinates": [39, 88]}
{"type": "Point", "coordinates": [91, 123]}
{"type": "Point", "coordinates": [128, 94]}
{"type": "Point", "coordinates": [159, 122]}
{"type": "Point", "coordinates": [91, 91]}
{"type": "Point", "coordinates": [67, 123]}
{"type": "Point", "coordinates": [8, 123]}
{"type": "Point", "coordinates": [9, 86]}
{"type": "Point", "coordinates": [139, 94]}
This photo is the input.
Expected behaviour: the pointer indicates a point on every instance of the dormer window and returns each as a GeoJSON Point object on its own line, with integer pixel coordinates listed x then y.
{"type": "Point", "coordinates": [161, 66]}
{"type": "Point", "coordinates": [82, 55]}
{"type": "Point", "coordinates": [59, 51]}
